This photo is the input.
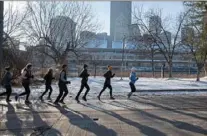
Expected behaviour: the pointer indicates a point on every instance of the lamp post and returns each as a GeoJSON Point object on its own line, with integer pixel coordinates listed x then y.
{"type": "Point", "coordinates": [122, 62]}
{"type": "Point", "coordinates": [1, 32]}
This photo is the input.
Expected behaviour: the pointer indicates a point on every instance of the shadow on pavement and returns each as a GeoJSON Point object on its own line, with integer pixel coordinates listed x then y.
{"type": "Point", "coordinates": [41, 127]}
{"type": "Point", "coordinates": [146, 130]}
{"type": "Point", "coordinates": [84, 122]}
{"type": "Point", "coordinates": [175, 123]}
{"type": "Point", "coordinates": [169, 109]}
{"type": "Point", "coordinates": [13, 123]}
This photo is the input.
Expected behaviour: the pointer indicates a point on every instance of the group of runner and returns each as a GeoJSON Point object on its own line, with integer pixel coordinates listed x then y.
{"type": "Point", "coordinates": [27, 76]}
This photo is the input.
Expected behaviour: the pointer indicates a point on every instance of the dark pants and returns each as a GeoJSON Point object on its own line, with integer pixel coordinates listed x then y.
{"type": "Point", "coordinates": [81, 89]}
{"type": "Point", "coordinates": [47, 87]}
{"type": "Point", "coordinates": [8, 92]}
{"type": "Point", "coordinates": [133, 89]}
{"type": "Point", "coordinates": [63, 89]}
{"type": "Point", "coordinates": [104, 88]}
{"type": "Point", "coordinates": [27, 91]}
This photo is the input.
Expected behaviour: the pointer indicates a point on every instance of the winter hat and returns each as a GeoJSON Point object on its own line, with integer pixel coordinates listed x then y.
{"type": "Point", "coordinates": [85, 66]}
{"type": "Point", "coordinates": [133, 69]}
{"type": "Point", "coordinates": [29, 65]}
{"type": "Point", "coordinates": [7, 68]}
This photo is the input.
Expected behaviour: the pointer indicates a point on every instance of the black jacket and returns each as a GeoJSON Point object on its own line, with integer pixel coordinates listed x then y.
{"type": "Point", "coordinates": [6, 81]}
{"type": "Point", "coordinates": [28, 77]}
{"type": "Point", "coordinates": [108, 75]}
{"type": "Point", "coordinates": [84, 75]}
{"type": "Point", "coordinates": [48, 79]}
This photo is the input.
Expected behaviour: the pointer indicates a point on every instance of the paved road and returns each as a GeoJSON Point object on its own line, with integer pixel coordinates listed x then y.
{"type": "Point", "coordinates": [183, 115]}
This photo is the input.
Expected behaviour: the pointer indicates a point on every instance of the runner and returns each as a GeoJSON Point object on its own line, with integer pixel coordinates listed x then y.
{"type": "Point", "coordinates": [26, 81]}
{"type": "Point", "coordinates": [48, 81]}
{"type": "Point", "coordinates": [62, 85]}
{"type": "Point", "coordinates": [108, 75]}
{"type": "Point", "coordinates": [133, 78]}
{"type": "Point", "coordinates": [84, 75]}
{"type": "Point", "coordinates": [6, 83]}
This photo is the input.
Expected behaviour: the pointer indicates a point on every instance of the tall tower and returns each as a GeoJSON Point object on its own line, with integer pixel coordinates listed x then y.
{"type": "Point", "coordinates": [120, 19]}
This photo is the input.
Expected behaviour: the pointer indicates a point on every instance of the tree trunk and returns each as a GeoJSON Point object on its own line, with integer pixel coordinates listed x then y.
{"type": "Point", "coordinates": [95, 71]}
{"type": "Point", "coordinates": [198, 75]}
{"type": "Point", "coordinates": [170, 68]}
{"type": "Point", "coordinates": [199, 67]}
{"type": "Point", "coordinates": [1, 34]}
{"type": "Point", "coordinates": [153, 72]}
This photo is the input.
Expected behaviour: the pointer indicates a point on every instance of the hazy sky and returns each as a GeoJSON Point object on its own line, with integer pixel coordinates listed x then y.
{"type": "Point", "coordinates": [102, 9]}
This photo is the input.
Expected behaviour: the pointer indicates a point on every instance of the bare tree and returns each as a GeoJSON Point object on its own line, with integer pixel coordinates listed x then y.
{"type": "Point", "coordinates": [13, 19]}
{"type": "Point", "coordinates": [195, 39]}
{"type": "Point", "coordinates": [60, 24]}
{"type": "Point", "coordinates": [161, 37]}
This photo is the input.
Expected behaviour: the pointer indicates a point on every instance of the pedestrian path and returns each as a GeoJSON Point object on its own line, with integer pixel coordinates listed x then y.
{"type": "Point", "coordinates": [140, 115]}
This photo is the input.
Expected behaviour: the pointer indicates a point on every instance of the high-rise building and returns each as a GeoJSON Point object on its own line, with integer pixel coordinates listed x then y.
{"type": "Point", "coordinates": [62, 30]}
{"type": "Point", "coordinates": [134, 30]}
{"type": "Point", "coordinates": [120, 19]}
{"type": "Point", "coordinates": [155, 24]}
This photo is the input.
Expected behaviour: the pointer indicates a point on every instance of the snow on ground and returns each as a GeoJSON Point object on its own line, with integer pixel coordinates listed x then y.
{"type": "Point", "coordinates": [147, 86]}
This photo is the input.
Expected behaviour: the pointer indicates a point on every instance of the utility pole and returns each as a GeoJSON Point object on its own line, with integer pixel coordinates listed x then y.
{"type": "Point", "coordinates": [1, 34]}
{"type": "Point", "coordinates": [122, 65]}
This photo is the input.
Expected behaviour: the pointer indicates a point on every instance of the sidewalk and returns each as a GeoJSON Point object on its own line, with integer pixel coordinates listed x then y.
{"type": "Point", "coordinates": [141, 115]}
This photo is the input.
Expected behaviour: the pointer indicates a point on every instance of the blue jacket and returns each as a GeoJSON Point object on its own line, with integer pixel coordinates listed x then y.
{"type": "Point", "coordinates": [133, 77]}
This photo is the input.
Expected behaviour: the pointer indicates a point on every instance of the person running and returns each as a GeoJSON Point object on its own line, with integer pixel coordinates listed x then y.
{"type": "Point", "coordinates": [84, 75]}
{"type": "Point", "coordinates": [62, 85]}
{"type": "Point", "coordinates": [48, 81]}
{"type": "Point", "coordinates": [26, 81]}
{"type": "Point", "coordinates": [108, 75]}
{"type": "Point", "coordinates": [6, 83]}
{"type": "Point", "coordinates": [133, 78]}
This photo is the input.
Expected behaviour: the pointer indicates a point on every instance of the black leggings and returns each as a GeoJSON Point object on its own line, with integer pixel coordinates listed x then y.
{"type": "Point", "coordinates": [63, 89]}
{"type": "Point", "coordinates": [81, 89]}
{"type": "Point", "coordinates": [27, 91]}
{"type": "Point", "coordinates": [47, 87]}
{"type": "Point", "coordinates": [104, 88]}
{"type": "Point", "coordinates": [8, 92]}
{"type": "Point", "coordinates": [133, 88]}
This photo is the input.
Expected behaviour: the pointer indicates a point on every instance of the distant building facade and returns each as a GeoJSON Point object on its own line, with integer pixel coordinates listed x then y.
{"type": "Point", "coordinates": [120, 19]}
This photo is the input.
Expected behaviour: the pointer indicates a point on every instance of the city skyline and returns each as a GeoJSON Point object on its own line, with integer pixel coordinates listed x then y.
{"type": "Point", "coordinates": [102, 9]}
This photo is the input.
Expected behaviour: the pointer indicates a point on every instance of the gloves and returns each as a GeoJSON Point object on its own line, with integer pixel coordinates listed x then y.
{"type": "Point", "coordinates": [114, 74]}
{"type": "Point", "coordinates": [32, 76]}
{"type": "Point", "coordinates": [137, 78]}
{"type": "Point", "coordinates": [67, 82]}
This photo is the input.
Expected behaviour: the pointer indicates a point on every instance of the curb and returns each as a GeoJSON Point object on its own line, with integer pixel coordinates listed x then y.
{"type": "Point", "coordinates": [174, 90]}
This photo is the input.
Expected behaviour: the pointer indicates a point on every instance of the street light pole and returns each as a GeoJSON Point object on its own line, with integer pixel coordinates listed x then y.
{"type": "Point", "coordinates": [1, 33]}
{"type": "Point", "coordinates": [122, 65]}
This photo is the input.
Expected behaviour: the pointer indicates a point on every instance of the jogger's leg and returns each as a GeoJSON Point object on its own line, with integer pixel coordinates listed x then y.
{"type": "Point", "coordinates": [81, 89]}
{"type": "Point", "coordinates": [87, 90]}
{"type": "Point", "coordinates": [104, 88]}
{"type": "Point", "coordinates": [28, 92]}
{"type": "Point", "coordinates": [46, 90]}
{"type": "Point", "coordinates": [60, 94]}
{"type": "Point", "coordinates": [50, 88]}
{"type": "Point", "coordinates": [65, 93]}
{"type": "Point", "coordinates": [9, 91]}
